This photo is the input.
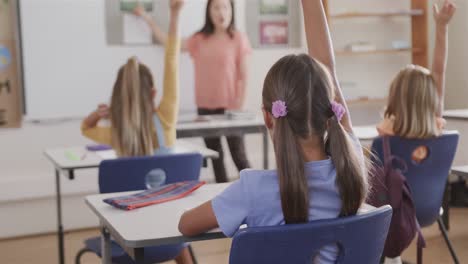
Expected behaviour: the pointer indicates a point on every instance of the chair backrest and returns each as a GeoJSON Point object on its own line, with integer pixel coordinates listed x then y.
{"type": "Point", "coordinates": [360, 239]}
{"type": "Point", "coordinates": [130, 174]}
{"type": "Point", "coordinates": [428, 178]}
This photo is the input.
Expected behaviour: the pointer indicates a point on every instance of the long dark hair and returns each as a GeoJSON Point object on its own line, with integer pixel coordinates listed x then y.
{"type": "Point", "coordinates": [304, 84]}
{"type": "Point", "coordinates": [209, 28]}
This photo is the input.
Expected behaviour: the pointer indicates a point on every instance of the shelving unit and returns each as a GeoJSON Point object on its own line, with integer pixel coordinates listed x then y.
{"type": "Point", "coordinates": [414, 12]}
{"type": "Point", "coordinates": [375, 52]}
{"type": "Point", "coordinates": [418, 16]}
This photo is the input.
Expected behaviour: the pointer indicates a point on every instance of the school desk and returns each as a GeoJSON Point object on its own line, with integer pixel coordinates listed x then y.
{"type": "Point", "coordinates": [152, 225]}
{"type": "Point", "coordinates": [461, 171]}
{"type": "Point", "coordinates": [458, 120]}
{"type": "Point", "coordinates": [222, 125]}
{"type": "Point", "coordinates": [456, 114]}
{"type": "Point", "coordinates": [366, 134]}
{"type": "Point", "coordinates": [69, 160]}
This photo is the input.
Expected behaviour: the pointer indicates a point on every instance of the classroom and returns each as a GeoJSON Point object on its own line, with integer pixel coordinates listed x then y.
{"type": "Point", "coordinates": [233, 131]}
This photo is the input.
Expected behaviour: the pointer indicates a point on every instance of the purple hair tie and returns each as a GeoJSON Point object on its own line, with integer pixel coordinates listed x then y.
{"type": "Point", "coordinates": [338, 109]}
{"type": "Point", "coordinates": [279, 109]}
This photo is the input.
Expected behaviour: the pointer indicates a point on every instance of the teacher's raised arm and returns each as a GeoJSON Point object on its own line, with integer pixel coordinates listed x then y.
{"type": "Point", "coordinates": [160, 35]}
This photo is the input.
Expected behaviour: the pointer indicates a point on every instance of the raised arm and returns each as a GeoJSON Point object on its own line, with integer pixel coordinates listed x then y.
{"type": "Point", "coordinates": [160, 35]}
{"type": "Point", "coordinates": [169, 106]}
{"type": "Point", "coordinates": [442, 17]}
{"type": "Point", "coordinates": [321, 47]}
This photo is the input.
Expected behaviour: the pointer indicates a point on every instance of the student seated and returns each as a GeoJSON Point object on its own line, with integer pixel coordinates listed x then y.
{"type": "Point", "coordinates": [137, 127]}
{"type": "Point", "coordinates": [134, 119]}
{"type": "Point", "coordinates": [321, 172]}
{"type": "Point", "coordinates": [416, 97]}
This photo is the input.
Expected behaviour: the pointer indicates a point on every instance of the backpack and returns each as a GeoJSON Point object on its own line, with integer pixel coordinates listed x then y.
{"type": "Point", "coordinates": [389, 186]}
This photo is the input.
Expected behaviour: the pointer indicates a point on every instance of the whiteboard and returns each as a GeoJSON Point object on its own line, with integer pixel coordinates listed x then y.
{"type": "Point", "coordinates": [69, 67]}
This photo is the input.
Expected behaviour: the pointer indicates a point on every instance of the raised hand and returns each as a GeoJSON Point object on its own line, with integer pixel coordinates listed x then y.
{"type": "Point", "coordinates": [176, 5]}
{"type": "Point", "coordinates": [444, 13]}
{"type": "Point", "coordinates": [139, 11]}
{"type": "Point", "coordinates": [103, 111]}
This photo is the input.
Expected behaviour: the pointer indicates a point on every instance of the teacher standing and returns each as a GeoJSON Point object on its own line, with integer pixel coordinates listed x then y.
{"type": "Point", "coordinates": [219, 53]}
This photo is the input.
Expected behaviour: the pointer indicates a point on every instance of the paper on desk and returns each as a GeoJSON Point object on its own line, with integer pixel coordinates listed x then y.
{"type": "Point", "coordinates": [107, 154]}
{"type": "Point", "coordinates": [135, 30]}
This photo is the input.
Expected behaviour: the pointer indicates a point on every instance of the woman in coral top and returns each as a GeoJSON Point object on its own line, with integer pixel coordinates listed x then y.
{"type": "Point", "coordinates": [219, 53]}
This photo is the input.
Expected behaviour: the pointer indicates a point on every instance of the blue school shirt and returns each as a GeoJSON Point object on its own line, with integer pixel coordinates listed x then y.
{"type": "Point", "coordinates": [255, 200]}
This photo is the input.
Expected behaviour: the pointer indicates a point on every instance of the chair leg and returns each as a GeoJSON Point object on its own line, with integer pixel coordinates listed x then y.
{"type": "Point", "coordinates": [192, 254]}
{"type": "Point", "coordinates": [446, 205]}
{"type": "Point", "coordinates": [81, 253]}
{"type": "Point", "coordinates": [444, 233]}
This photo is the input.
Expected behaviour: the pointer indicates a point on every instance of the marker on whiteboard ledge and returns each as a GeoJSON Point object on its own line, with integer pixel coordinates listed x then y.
{"type": "Point", "coordinates": [74, 157]}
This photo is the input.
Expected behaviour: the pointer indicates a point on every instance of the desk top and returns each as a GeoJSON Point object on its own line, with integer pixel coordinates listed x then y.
{"type": "Point", "coordinates": [156, 224]}
{"type": "Point", "coordinates": [219, 122]}
{"type": "Point", "coordinates": [461, 171]}
{"type": "Point", "coordinates": [461, 114]}
{"type": "Point", "coordinates": [83, 158]}
{"type": "Point", "coordinates": [365, 132]}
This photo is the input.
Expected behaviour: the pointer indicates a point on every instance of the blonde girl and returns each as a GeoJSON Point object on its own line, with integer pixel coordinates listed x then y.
{"type": "Point", "coordinates": [416, 97]}
{"type": "Point", "coordinates": [137, 128]}
{"type": "Point", "coordinates": [132, 112]}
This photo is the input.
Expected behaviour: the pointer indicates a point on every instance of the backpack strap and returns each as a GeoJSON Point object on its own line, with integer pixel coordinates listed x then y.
{"type": "Point", "coordinates": [387, 153]}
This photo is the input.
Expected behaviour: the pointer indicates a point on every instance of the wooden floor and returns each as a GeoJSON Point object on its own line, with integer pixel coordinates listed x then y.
{"type": "Point", "coordinates": [42, 249]}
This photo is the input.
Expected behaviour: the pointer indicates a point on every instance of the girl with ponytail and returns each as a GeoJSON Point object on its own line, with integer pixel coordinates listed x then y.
{"type": "Point", "coordinates": [134, 120]}
{"type": "Point", "coordinates": [320, 165]}
{"type": "Point", "coordinates": [132, 112]}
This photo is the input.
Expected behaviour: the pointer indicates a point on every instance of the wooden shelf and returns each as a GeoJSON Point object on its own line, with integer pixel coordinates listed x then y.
{"type": "Point", "coordinates": [417, 15]}
{"type": "Point", "coordinates": [375, 52]}
{"type": "Point", "coordinates": [414, 12]}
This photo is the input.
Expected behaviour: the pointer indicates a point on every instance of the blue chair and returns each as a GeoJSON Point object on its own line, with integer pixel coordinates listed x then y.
{"type": "Point", "coordinates": [360, 239]}
{"type": "Point", "coordinates": [428, 178]}
{"type": "Point", "coordinates": [130, 174]}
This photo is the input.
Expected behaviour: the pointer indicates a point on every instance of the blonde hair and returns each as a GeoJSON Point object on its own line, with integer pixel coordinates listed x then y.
{"type": "Point", "coordinates": [413, 103]}
{"type": "Point", "coordinates": [131, 111]}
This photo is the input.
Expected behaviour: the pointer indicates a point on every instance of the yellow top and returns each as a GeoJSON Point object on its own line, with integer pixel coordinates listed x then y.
{"type": "Point", "coordinates": [168, 108]}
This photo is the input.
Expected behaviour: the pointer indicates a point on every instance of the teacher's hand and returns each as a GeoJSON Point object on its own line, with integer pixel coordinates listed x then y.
{"type": "Point", "coordinates": [139, 11]}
